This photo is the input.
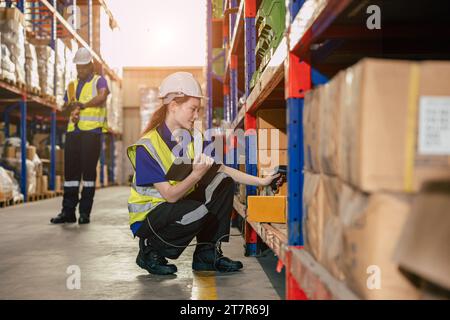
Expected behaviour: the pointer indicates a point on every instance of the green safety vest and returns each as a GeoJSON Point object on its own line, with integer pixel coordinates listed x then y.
{"type": "Point", "coordinates": [144, 199]}
{"type": "Point", "coordinates": [90, 118]}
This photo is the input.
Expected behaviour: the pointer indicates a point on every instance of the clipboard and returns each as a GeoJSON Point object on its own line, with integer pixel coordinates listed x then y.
{"type": "Point", "coordinates": [180, 171]}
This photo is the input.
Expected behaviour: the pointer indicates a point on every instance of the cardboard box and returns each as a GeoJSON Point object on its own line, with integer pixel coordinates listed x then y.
{"type": "Point", "coordinates": [31, 152]}
{"type": "Point", "coordinates": [332, 256]}
{"type": "Point", "coordinates": [58, 183]}
{"type": "Point", "coordinates": [271, 125]}
{"type": "Point", "coordinates": [391, 133]}
{"type": "Point", "coordinates": [40, 142]}
{"type": "Point", "coordinates": [272, 139]}
{"type": "Point", "coordinates": [59, 165]}
{"type": "Point", "coordinates": [371, 229]}
{"type": "Point", "coordinates": [423, 248]}
{"type": "Point", "coordinates": [269, 159]}
{"type": "Point", "coordinates": [38, 185]}
{"type": "Point", "coordinates": [313, 206]}
{"type": "Point", "coordinates": [44, 184]}
{"type": "Point", "coordinates": [12, 14]}
{"type": "Point", "coordinates": [271, 118]}
{"type": "Point", "coordinates": [330, 126]}
{"type": "Point", "coordinates": [266, 209]}
{"type": "Point", "coordinates": [311, 129]}
{"type": "Point", "coordinates": [11, 152]}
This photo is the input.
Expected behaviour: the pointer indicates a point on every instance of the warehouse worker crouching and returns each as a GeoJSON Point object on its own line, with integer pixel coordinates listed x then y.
{"type": "Point", "coordinates": [166, 215]}
{"type": "Point", "coordinates": [85, 101]}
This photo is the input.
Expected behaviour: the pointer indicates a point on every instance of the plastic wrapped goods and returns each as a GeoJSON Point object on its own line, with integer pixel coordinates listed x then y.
{"type": "Point", "coordinates": [31, 67]}
{"type": "Point", "coordinates": [13, 36]}
{"type": "Point", "coordinates": [8, 68]}
{"type": "Point", "coordinates": [6, 185]}
{"type": "Point", "coordinates": [149, 104]}
{"type": "Point", "coordinates": [46, 61]}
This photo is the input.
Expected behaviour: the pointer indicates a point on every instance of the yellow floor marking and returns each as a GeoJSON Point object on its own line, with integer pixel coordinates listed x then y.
{"type": "Point", "coordinates": [204, 286]}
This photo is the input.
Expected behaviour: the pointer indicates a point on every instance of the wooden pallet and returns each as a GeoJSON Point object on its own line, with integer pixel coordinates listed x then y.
{"type": "Point", "coordinates": [21, 85]}
{"type": "Point", "coordinates": [9, 202]}
{"type": "Point", "coordinates": [7, 80]}
{"type": "Point", "coordinates": [50, 98]}
{"type": "Point", "coordinates": [32, 197]}
{"type": "Point", "coordinates": [34, 90]}
{"type": "Point", "coordinates": [5, 203]}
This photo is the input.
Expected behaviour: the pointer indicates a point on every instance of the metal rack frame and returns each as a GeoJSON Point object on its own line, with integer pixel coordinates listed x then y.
{"type": "Point", "coordinates": [319, 41]}
{"type": "Point", "coordinates": [28, 102]}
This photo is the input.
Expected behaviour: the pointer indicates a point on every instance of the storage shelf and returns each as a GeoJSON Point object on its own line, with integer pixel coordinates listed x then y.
{"type": "Point", "coordinates": [11, 94]}
{"type": "Point", "coordinates": [325, 37]}
{"type": "Point", "coordinates": [315, 280]}
{"type": "Point", "coordinates": [76, 36]}
{"type": "Point", "coordinates": [312, 19]}
{"type": "Point", "coordinates": [270, 79]}
{"type": "Point", "coordinates": [237, 37]}
{"type": "Point", "coordinates": [239, 119]}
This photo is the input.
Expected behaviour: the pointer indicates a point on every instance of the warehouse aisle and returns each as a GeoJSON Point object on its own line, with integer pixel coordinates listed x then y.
{"type": "Point", "coordinates": [41, 261]}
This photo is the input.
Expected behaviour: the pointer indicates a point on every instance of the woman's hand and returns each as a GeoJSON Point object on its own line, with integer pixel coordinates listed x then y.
{"type": "Point", "coordinates": [265, 181]}
{"type": "Point", "coordinates": [201, 165]}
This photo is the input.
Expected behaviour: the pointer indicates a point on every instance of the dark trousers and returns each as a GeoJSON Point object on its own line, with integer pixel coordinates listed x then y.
{"type": "Point", "coordinates": [81, 155]}
{"type": "Point", "coordinates": [204, 214]}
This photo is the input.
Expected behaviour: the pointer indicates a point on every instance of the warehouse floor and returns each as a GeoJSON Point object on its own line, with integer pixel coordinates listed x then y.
{"type": "Point", "coordinates": [37, 259]}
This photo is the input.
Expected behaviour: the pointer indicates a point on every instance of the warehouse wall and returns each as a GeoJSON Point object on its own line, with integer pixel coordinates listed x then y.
{"type": "Point", "coordinates": [135, 79]}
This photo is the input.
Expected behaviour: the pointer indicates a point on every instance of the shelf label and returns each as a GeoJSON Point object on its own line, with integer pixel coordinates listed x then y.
{"type": "Point", "coordinates": [434, 125]}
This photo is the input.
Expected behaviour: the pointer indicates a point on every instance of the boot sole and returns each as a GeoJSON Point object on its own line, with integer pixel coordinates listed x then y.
{"type": "Point", "coordinates": [63, 222]}
{"type": "Point", "coordinates": [208, 267]}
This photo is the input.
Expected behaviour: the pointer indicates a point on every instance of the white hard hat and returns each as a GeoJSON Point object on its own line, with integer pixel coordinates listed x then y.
{"type": "Point", "coordinates": [83, 56]}
{"type": "Point", "coordinates": [179, 84]}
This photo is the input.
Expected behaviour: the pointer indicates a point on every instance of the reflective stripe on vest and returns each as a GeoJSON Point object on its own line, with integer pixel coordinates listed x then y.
{"type": "Point", "coordinates": [144, 199]}
{"type": "Point", "coordinates": [90, 118]}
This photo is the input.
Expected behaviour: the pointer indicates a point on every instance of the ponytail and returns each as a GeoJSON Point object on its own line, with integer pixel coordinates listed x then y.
{"type": "Point", "coordinates": [159, 115]}
{"type": "Point", "coordinates": [157, 118]}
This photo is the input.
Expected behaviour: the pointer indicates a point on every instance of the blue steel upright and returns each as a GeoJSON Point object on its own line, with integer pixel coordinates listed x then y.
{"type": "Point", "coordinates": [250, 67]}
{"type": "Point", "coordinates": [23, 146]}
{"type": "Point", "coordinates": [102, 160]}
{"type": "Point", "coordinates": [52, 150]}
{"type": "Point", "coordinates": [209, 64]}
{"type": "Point", "coordinates": [112, 150]}
{"type": "Point", "coordinates": [295, 173]}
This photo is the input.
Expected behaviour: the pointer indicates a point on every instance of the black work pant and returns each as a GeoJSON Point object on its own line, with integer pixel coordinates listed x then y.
{"type": "Point", "coordinates": [204, 214]}
{"type": "Point", "coordinates": [81, 155]}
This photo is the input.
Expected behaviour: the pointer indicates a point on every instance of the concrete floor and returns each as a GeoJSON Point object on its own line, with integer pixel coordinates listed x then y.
{"type": "Point", "coordinates": [42, 261]}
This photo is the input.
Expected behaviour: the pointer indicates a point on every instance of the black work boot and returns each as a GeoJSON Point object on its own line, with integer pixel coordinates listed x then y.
{"type": "Point", "coordinates": [84, 218]}
{"type": "Point", "coordinates": [149, 259]}
{"type": "Point", "coordinates": [64, 217]}
{"type": "Point", "coordinates": [211, 258]}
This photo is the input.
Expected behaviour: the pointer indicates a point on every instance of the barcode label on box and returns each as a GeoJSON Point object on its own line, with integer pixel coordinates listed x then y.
{"type": "Point", "coordinates": [434, 126]}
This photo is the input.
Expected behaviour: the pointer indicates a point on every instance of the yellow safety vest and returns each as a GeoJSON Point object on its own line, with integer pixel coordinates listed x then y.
{"type": "Point", "coordinates": [144, 199]}
{"type": "Point", "coordinates": [92, 117]}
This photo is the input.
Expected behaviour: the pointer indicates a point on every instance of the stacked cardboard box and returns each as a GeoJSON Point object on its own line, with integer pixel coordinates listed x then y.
{"type": "Point", "coordinates": [374, 135]}
{"type": "Point", "coordinates": [423, 250]}
{"type": "Point", "coordinates": [272, 139]}
{"type": "Point", "coordinates": [272, 152]}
